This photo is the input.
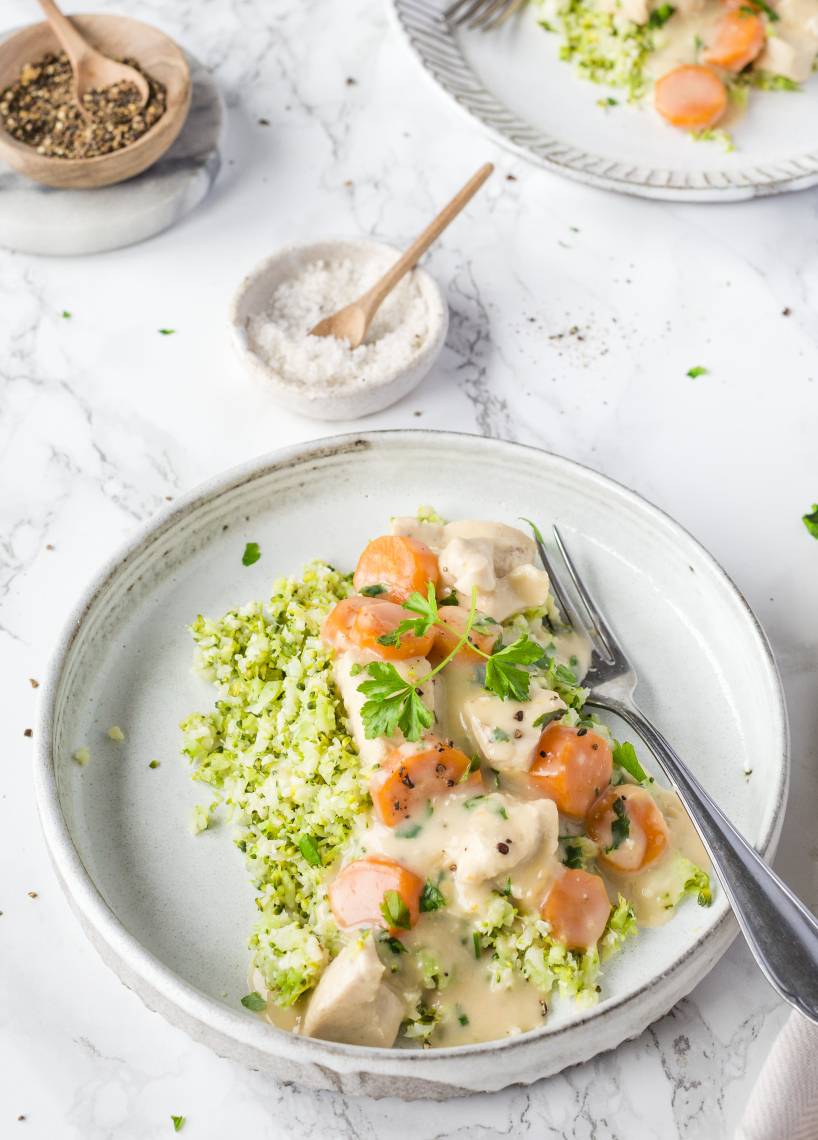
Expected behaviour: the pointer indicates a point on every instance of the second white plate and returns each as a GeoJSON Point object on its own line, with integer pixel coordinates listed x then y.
{"type": "Point", "coordinates": [513, 81]}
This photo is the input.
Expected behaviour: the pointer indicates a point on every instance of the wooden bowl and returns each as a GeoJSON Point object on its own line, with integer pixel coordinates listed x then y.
{"type": "Point", "coordinates": [116, 36]}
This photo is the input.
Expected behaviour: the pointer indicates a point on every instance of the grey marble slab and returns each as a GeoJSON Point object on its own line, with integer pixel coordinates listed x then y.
{"type": "Point", "coordinates": [41, 219]}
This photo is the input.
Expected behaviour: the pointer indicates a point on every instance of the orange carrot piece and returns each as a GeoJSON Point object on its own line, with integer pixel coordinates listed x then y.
{"type": "Point", "coordinates": [357, 623]}
{"type": "Point", "coordinates": [647, 838]}
{"type": "Point", "coordinates": [357, 893]}
{"type": "Point", "coordinates": [571, 769]}
{"type": "Point", "coordinates": [404, 783]}
{"type": "Point", "coordinates": [577, 908]}
{"type": "Point", "coordinates": [691, 97]}
{"type": "Point", "coordinates": [398, 563]}
{"type": "Point", "coordinates": [738, 37]}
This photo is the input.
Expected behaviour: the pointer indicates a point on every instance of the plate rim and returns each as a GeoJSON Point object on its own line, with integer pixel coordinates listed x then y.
{"type": "Point", "coordinates": [99, 921]}
{"type": "Point", "coordinates": [619, 177]}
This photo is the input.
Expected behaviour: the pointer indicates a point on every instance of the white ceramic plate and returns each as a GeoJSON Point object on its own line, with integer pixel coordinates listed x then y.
{"type": "Point", "coordinates": [171, 913]}
{"type": "Point", "coordinates": [513, 82]}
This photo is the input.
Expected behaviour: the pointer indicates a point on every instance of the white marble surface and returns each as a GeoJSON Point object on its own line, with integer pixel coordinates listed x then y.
{"type": "Point", "coordinates": [574, 319]}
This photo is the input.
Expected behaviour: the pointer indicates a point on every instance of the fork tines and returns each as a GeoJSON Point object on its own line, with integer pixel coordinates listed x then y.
{"type": "Point", "coordinates": [485, 14]}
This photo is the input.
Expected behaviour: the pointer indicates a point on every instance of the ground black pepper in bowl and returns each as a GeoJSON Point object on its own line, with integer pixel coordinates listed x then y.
{"type": "Point", "coordinates": [39, 109]}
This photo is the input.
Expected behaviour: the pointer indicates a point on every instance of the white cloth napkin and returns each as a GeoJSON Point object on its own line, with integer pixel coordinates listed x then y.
{"type": "Point", "coordinates": [784, 1103]}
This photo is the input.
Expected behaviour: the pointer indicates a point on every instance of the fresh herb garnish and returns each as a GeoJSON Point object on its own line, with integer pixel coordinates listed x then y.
{"type": "Point", "coordinates": [392, 703]}
{"type": "Point", "coordinates": [252, 553]}
{"type": "Point", "coordinates": [545, 718]}
{"type": "Point", "coordinates": [472, 766]}
{"type": "Point", "coordinates": [475, 941]}
{"type": "Point", "coordinates": [499, 735]}
{"type": "Point", "coordinates": [253, 1001]}
{"type": "Point", "coordinates": [166, 332]}
{"type": "Point", "coordinates": [572, 856]}
{"type": "Point", "coordinates": [503, 673]}
{"type": "Point", "coordinates": [660, 16]}
{"type": "Point", "coordinates": [431, 897]}
{"type": "Point", "coordinates": [309, 849]}
{"type": "Point", "coordinates": [463, 1018]}
{"type": "Point", "coordinates": [473, 801]}
{"type": "Point", "coordinates": [66, 316]}
{"type": "Point", "coordinates": [408, 831]}
{"type": "Point", "coordinates": [153, 764]}
{"type": "Point", "coordinates": [810, 520]}
{"type": "Point", "coordinates": [624, 756]}
{"type": "Point", "coordinates": [768, 11]}
{"type": "Point", "coordinates": [394, 944]}
{"type": "Point", "coordinates": [696, 371]}
{"type": "Point", "coordinates": [178, 1123]}
{"type": "Point", "coordinates": [395, 911]}
{"type": "Point", "coordinates": [621, 825]}
{"type": "Point", "coordinates": [375, 590]}
{"type": "Point", "coordinates": [500, 810]}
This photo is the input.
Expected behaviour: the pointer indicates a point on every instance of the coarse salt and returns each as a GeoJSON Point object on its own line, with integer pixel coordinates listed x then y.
{"type": "Point", "coordinates": [280, 335]}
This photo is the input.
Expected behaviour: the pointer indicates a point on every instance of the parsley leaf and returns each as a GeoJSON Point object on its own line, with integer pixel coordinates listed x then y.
{"type": "Point", "coordinates": [475, 941]}
{"type": "Point", "coordinates": [431, 897]}
{"type": "Point", "coordinates": [252, 553]}
{"type": "Point", "coordinates": [178, 1123]}
{"type": "Point", "coordinates": [696, 371]}
{"type": "Point", "coordinates": [499, 735]}
{"type": "Point", "coordinates": [768, 11]}
{"type": "Point", "coordinates": [309, 849]}
{"type": "Point", "coordinates": [395, 911]}
{"type": "Point", "coordinates": [253, 1001]}
{"type": "Point", "coordinates": [545, 718]}
{"type": "Point", "coordinates": [66, 316]}
{"type": "Point", "coordinates": [503, 673]}
{"type": "Point", "coordinates": [621, 826]}
{"type": "Point", "coordinates": [167, 332]}
{"type": "Point", "coordinates": [392, 704]}
{"type": "Point", "coordinates": [375, 590]}
{"type": "Point", "coordinates": [624, 756]}
{"type": "Point", "coordinates": [660, 16]}
{"type": "Point", "coordinates": [394, 944]}
{"type": "Point", "coordinates": [810, 521]}
{"type": "Point", "coordinates": [572, 856]}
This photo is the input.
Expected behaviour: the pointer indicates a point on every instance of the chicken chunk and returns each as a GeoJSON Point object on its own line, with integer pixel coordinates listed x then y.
{"type": "Point", "coordinates": [504, 731]}
{"type": "Point", "coordinates": [791, 57]}
{"type": "Point", "coordinates": [352, 1002]}
{"type": "Point", "coordinates": [373, 751]}
{"type": "Point", "coordinates": [502, 835]}
{"type": "Point", "coordinates": [498, 562]}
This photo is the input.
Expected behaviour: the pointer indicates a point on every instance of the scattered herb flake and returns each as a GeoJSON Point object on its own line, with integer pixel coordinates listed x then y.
{"type": "Point", "coordinates": [254, 1002]}
{"type": "Point", "coordinates": [66, 316]}
{"type": "Point", "coordinates": [375, 590]}
{"type": "Point", "coordinates": [252, 553]}
{"type": "Point", "coordinates": [431, 897]}
{"type": "Point", "coordinates": [178, 1123]}
{"type": "Point", "coordinates": [395, 911]}
{"type": "Point", "coordinates": [810, 521]}
{"type": "Point", "coordinates": [621, 825]}
{"type": "Point", "coordinates": [624, 756]}
{"type": "Point", "coordinates": [154, 764]}
{"type": "Point", "coordinates": [166, 332]}
{"type": "Point", "coordinates": [309, 849]}
{"type": "Point", "coordinates": [696, 371]}
{"type": "Point", "coordinates": [499, 735]}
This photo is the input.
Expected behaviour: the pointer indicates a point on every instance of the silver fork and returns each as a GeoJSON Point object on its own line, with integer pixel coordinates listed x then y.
{"type": "Point", "coordinates": [781, 931]}
{"type": "Point", "coordinates": [485, 14]}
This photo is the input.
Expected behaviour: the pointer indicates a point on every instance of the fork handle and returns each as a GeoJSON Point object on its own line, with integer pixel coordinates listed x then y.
{"type": "Point", "coordinates": [781, 931]}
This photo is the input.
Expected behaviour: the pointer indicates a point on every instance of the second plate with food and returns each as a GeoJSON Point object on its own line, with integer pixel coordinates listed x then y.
{"type": "Point", "coordinates": [514, 82]}
{"type": "Point", "coordinates": [150, 865]}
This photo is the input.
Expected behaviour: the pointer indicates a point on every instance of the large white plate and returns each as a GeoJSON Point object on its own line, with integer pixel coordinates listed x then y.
{"type": "Point", "coordinates": [513, 82]}
{"type": "Point", "coordinates": [171, 913]}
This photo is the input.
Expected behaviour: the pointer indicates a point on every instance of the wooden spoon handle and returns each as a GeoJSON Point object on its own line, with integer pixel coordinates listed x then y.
{"type": "Point", "coordinates": [373, 298]}
{"type": "Point", "coordinates": [73, 43]}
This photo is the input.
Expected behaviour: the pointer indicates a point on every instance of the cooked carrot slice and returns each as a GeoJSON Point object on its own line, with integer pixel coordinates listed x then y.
{"type": "Point", "coordinates": [571, 766]}
{"type": "Point", "coordinates": [647, 833]}
{"type": "Point", "coordinates": [357, 623]}
{"type": "Point", "coordinates": [357, 893]}
{"type": "Point", "coordinates": [404, 783]}
{"type": "Point", "coordinates": [454, 618]}
{"type": "Point", "coordinates": [577, 908]}
{"type": "Point", "coordinates": [738, 37]}
{"type": "Point", "coordinates": [399, 564]}
{"type": "Point", "coordinates": [692, 97]}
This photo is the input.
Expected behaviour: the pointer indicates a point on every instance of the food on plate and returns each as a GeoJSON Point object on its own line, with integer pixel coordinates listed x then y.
{"type": "Point", "coordinates": [442, 841]}
{"type": "Point", "coordinates": [696, 60]}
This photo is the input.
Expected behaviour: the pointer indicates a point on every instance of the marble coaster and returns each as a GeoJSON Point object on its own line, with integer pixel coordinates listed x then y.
{"type": "Point", "coordinates": [41, 219]}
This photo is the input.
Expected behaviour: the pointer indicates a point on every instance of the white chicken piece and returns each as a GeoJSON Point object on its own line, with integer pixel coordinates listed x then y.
{"type": "Point", "coordinates": [504, 731]}
{"type": "Point", "coordinates": [790, 56]}
{"type": "Point", "coordinates": [502, 836]}
{"type": "Point", "coordinates": [352, 1002]}
{"type": "Point", "coordinates": [373, 751]}
{"type": "Point", "coordinates": [498, 561]}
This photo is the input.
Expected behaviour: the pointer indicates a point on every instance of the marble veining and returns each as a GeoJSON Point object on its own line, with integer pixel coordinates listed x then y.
{"type": "Point", "coordinates": [574, 319]}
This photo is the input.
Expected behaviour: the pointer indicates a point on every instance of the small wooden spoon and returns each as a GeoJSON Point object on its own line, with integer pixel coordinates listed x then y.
{"type": "Point", "coordinates": [352, 322]}
{"type": "Point", "coordinates": [92, 70]}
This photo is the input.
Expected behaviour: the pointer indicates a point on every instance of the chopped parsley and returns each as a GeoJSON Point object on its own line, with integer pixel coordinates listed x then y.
{"type": "Point", "coordinates": [66, 316]}
{"type": "Point", "coordinates": [394, 944]}
{"type": "Point", "coordinates": [499, 735]}
{"type": "Point", "coordinates": [395, 911]}
{"type": "Point", "coordinates": [475, 941]}
{"type": "Point", "coordinates": [166, 332]}
{"type": "Point", "coordinates": [431, 897]}
{"type": "Point", "coordinates": [696, 371]}
{"type": "Point", "coordinates": [408, 831]}
{"type": "Point", "coordinates": [572, 856]}
{"type": "Point", "coordinates": [375, 590]}
{"type": "Point", "coordinates": [178, 1123]}
{"type": "Point", "coordinates": [154, 764]}
{"type": "Point", "coordinates": [254, 1002]}
{"type": "Point", "coordinates": [621, 825]}
{"type": "Point", "coordinates": [660, 16]}
{"type": "Point", "coordinates": [252, 553]}
{"type": "Point", "coordinates": [309, 849]}
{"type": "Point", "coordinates": [810, 520]}
{"type": "Point", "coordinates": [624, 756]}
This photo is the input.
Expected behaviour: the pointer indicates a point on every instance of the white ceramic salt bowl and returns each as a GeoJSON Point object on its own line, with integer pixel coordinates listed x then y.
{"type": "Point", "coordinates": [320, 403]}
